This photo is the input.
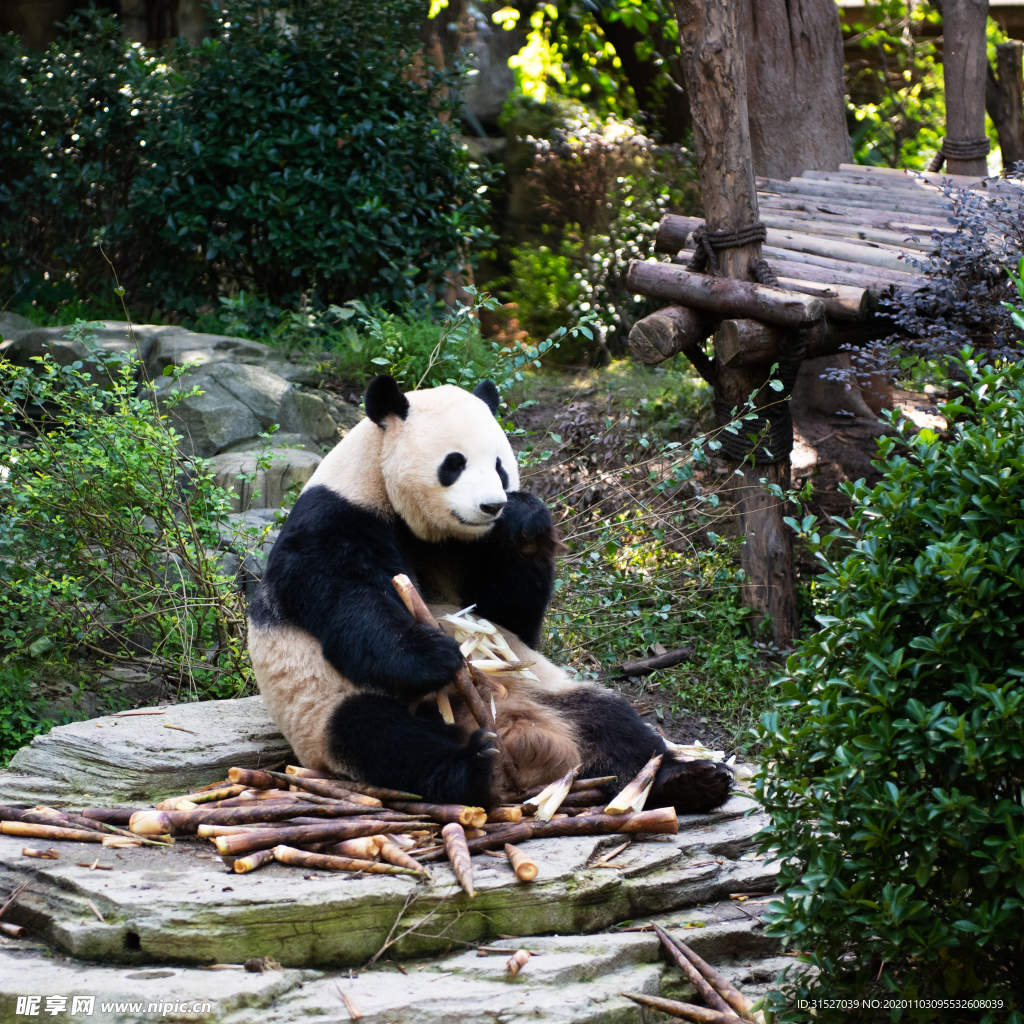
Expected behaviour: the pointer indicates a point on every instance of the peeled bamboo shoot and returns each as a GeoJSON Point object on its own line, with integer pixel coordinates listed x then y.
{"type": "Point", "coordinates": [457, 848]}
{"type": "Point", "coordinates": [517, 962]}
{"type": "Point", "coordinates": [544, 805]}
{"type": "Point", "coordinates": [326, 862]}
{"type": "Point", "coordinates": [526, 870]}
{"type": "Point", "coordinates": [634, 796]}
{"type": "Point", "coordinates": [243, 865]}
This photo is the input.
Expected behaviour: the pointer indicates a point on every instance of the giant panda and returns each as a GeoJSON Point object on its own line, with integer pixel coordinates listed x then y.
{"type": "Point", "coordinates": [427, 485]}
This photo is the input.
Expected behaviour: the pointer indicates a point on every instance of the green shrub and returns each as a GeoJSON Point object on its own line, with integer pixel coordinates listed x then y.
{"type": "Point", "coordinates": [73, 124]}
{"type": "Point", "coordinates": [896, 790]}
{"type": "Point", "coordinates": [300, 151]}
{"type": "Point", "coordinates": [109, 538]}
{"type": "Point", "coordinates": [20, 718]}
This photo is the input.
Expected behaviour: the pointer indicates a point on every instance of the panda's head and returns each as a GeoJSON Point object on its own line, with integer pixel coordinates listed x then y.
{"type": "Point", "coordinates": [446, 462]}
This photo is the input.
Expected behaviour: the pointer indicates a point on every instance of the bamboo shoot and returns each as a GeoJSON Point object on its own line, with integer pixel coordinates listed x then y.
{"type": "Point", "coordinates": [457, 848]}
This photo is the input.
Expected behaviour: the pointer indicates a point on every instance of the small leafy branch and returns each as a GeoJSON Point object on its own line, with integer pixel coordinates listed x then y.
{"type": "Point", "coordinates": [110, 539]}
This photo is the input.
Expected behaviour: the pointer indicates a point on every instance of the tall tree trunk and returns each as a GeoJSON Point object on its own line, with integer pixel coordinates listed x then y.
{"type": "Point", "coordinates": [715, 73]}
{"type": "Point", "coordinates": [795, 84]}
{"type": "Point", "coordinates": [1004, 101]}
{"type": "Point", "coordinates": [964, 69]}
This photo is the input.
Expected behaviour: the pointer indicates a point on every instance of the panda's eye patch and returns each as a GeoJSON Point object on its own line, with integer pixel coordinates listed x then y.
{"type": "Point", "coordinates": [502, 475]}
{"type": "Point", "coordinates": [449, 470]}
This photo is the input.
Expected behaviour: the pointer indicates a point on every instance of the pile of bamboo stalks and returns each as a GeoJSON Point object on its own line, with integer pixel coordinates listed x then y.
{"type": "Point", "coordinates": [725, 1003]}
{"type": "Point", "coordinates": [310, 820]}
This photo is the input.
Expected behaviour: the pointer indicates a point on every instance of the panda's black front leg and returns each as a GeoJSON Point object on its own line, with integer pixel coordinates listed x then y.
{"type": "Point", "coordinates": [376, 739]}
{"type": "Point", "coordinates": [514, 573]}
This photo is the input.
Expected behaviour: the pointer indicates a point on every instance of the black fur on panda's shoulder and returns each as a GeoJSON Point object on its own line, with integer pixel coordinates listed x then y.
{"type": "Point", "coordinates": [330, 574]}
{"type": "Point", "coordinates": [508, 574]}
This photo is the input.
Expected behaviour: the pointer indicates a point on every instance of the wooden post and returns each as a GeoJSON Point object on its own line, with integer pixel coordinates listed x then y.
{"type": "Point", "coordinates": [716, 80]}
{"type": "Point", "coordinates": [1004, 100]}
{"type": "Point", "coordinates": [715, 70]}
{"type": "Point", "coordinates": [964, 69]}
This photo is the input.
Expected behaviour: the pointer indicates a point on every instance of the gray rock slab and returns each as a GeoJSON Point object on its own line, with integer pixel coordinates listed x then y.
{"type": "Point", "coordinates": [183, 905]}
{"type": "Point", "coordinates": [316, 419]}
{"type": "Point", "coordinates": [270, 398]}
{"type": "Point", "coordinates": [255, 487]}
{"type": "Point", "coordinates": [135, 759]}
{"type": "Point", "coordinates": [13, 323]}
{"type": "Point", "coordinates": [211, 420]}
{"type": "Point", "coordinates": [280, 439]}
{"type": "Point", "coordinates": [114, 336]}
{"type": "Point", "coordinates": [192, 348]}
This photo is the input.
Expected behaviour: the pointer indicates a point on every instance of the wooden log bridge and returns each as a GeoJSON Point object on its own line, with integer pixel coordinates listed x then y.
{"type": "Point", "coordinates": [834, 236]}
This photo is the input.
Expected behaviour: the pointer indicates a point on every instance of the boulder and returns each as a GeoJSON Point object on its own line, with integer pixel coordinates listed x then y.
{"type": "Point", "coordinates": [209, 421]}
{"type": "Point", "coordinates": [135, 758]}
{"type": "Point", "coordinates": [12, 323]}
{"type": "Point", "coordinates": [270, 398]}
{"type": "Point", "coordinates": [114, 336]}
{"type": "Point", "coordinates": [190, 348]}
{"type": "Point", "coordinates": [237, 472]}
{"type": "Point", "coordinates": [279, 439]}
{"type": "Point", "coordinates": [317, 421]}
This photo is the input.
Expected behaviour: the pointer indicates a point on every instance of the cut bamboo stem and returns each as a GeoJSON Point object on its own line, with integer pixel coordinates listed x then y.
{"type": "Point", "coordinates": [243, 865]}
{"type": "Point", "coordinates": [16, 931]}
{"type": "Point", "coordinates": [256, 812]}
{"type": "Point", "coordinates": [306, 773]}
{"type": "Point", "coordinates": [326, 862]}
{"type": "Point", "coordinates": [706, 992]}
{"type": "Point", "coordinates": [634, 795]}
{"type": "Point", "coordinates": [457, 848]}
{"type": "Point", "coordinates": [732, 995]}
{"type": "Point", "coordinates": [463, 680]}
{"type": "Point", "coordinates": [526, 869]}
{"type": "Point", "coordinates": [544, 805]}
{"type": "Point", "coordinates": [682, 1011]}
{"type": "Point", "coordinates": [320, 787]}
{"type": "Point", "coordinates": [32, 830]}
{"type": "Point", "coordinates": [662, 821]}
{"type": "Point", "coordinates": [259, 839]}
{"type": "Point", "coordinates": [473, 817]}
{"type": "Point", "coordinates": [252, 778]}
{"type": "Point", "coordinates": [504, 814]}
{"type": "Point", "coordinates": [29, 851]}
{"type": "Point", "coordinates": [584, 798]}
{"type": "Point", "coordinates": [517, 962]}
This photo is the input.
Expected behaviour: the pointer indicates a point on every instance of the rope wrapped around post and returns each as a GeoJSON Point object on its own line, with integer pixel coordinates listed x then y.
{"type": "Point", "coordinates": [959, 149]}
{"type": "Point", "coordinates": [709, 243]}
{"type": "Point", "coordinates": [773, 423]}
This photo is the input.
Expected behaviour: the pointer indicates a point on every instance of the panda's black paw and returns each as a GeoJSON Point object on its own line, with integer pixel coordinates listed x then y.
{"type": "Point", "coordinates": [692, 787]}
{"type": "Point", "coordinates": [466, 777]}
{"type": "Point", "coordinates": [526, 519]}
{"type": "Point", "coordinates": [430, 660]}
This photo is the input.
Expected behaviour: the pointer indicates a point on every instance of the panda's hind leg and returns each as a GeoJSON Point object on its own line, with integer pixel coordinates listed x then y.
{"type": "Point", "coordinates": [615, 740]}
{"type": "Point", "coordinates": [375, 739]}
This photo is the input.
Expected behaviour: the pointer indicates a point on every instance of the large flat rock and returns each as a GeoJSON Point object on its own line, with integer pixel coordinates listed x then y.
{"type": "Point", "coordinates": [137, 759]}
{"type": "Point", "coordinates": [182, 905]}
{"type": "Point", "coordinates": [572, 979]}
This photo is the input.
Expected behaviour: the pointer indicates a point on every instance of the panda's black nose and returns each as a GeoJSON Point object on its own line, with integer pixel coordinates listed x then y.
{"type": "Point", "coordinates": [492, 508]}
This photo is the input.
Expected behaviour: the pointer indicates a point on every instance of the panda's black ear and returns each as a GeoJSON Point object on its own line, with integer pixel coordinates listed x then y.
{"type": "Point", "coordinates": [487, 392]}
{"type": "Point", "coordinates": [383, 399]}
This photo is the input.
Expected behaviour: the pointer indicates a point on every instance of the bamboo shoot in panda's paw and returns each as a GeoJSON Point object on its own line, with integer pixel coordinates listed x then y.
{"type": "Point", "coordinates": [634, 796]}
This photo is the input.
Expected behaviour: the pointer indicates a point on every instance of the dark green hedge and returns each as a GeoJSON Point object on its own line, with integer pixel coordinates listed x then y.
{"type": "Point", "coordinates": [896, 762]}
{"type": "Point", "coordinates": [299, 149]}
